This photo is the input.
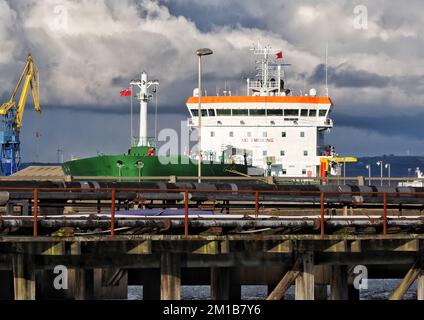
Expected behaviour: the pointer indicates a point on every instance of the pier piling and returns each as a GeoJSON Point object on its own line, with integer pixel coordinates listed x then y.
{"type": "Point", "coordinates": [339, 289]}
{"type": "Point", "coordinates": [305, 281]}
{"type": "Point", "coordinates": [24, 277]}
{"type": "Point", "coordinates": [170, 264]}
{"type": "Point", "coordinates": [220, 280]}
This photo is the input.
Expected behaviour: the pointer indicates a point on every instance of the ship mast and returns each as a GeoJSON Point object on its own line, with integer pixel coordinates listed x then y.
{"type": "Point", "coordinates": [268, 67]}
{"type": "Point", "coordinates": [144, 97]}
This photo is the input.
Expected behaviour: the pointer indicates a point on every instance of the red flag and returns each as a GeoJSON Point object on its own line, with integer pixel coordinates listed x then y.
{"type": "Point", "coordinates": [126, 93]}
{"type": "Point", "coordinates": [280, 55]}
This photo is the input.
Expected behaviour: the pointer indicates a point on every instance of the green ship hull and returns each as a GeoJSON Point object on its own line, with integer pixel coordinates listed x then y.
{"type": "Point", "coordinates": [138, 163]}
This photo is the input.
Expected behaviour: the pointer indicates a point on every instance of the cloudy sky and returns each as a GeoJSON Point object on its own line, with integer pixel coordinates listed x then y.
{"type": "Point", "coordinates": [88, 50]}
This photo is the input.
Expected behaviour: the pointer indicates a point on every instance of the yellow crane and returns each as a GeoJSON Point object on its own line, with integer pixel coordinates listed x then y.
{"type": "Point", "coordinates": [13, 115]}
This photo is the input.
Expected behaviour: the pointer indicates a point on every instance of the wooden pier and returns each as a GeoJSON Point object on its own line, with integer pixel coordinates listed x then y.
{"type": "Point", "coordinates": [103, 266]}
{"type": "Point", "coordinates": [315, 247]}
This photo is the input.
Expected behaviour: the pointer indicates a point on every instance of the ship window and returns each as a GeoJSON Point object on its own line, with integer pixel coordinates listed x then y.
{"type": "Point", "coordinates": [264, 153]}
{"type": "Point", "coordinates": [312, 113]}
{"type": "Point", "coordinates": [240, 112]}
{"type": "Point", "coordinates": [257, 112]}
{"type": "Point", "coordinates": [304, 112]}
{"type": "Point", "coordinates": [264, 134]}
{"type": "Point", "coordinates": [283, 134]}
{"type": "Point", "coordinates": [212, 112]}
{"type": "Point", "coordinates": [291, 112]}
{"type": "Point", "coordinates": [322, 113]}
{"type": "Point", "coordinates": [212, 133]}
{"type": "Point", "coordinates": [275, 112]}
{"type": "Point", "coordinates": [284, 171]}
{"type": "Point", "coordinates": [282, 153]}
{"type": "Point", "coordinates": [231, 134]}
{"type": "Point", "coordinates": [195, 112]}
{"type": "Point", "coordinates": [303, 171]}
{"type": "Point", "coordinates": [305, 153]}
{"type": "Point", "coordinates": [249, 134]}
{"type": "Point", "coordinates": [204, 113]}
{"type": "Point", "coordinates": [223, 112]}
{"type": "Point", "coordinates": [302, 134]}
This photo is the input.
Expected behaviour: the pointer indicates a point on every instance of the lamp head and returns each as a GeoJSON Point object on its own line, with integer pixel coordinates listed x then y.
{"type": "Point", "coordinates": [204, 52]}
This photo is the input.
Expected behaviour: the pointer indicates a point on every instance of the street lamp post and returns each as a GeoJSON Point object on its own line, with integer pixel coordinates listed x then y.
{"type": "Point", "coordinates": [200, 53]}
{"type": "Point", "coordinates": [380, 163]}
{"type": "Point", "coordinates": [368, 166]}
{"type": "Point", "coordinates": [388, 167]}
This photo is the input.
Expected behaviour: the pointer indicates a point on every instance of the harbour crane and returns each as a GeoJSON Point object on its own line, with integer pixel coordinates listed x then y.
{"type": "Point", "coordinates": [12, 118]}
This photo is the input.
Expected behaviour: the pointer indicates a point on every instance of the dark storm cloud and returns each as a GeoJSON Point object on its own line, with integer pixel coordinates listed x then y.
{"type": "Point", "coordinates": [107, 43]}
{"type": "Point", "coordinates": [347, 76]}
{"type": "Point", "coordinates": [208, 16]}
{"type": "Point", "coordinates": [402, 124]}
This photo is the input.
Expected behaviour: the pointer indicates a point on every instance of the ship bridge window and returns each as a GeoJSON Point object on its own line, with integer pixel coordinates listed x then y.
{"type": "Point", "coordinates": [195, 113]}
{"type": "Point", "coordinates": [304, 112]}
{"type": "Point", "coordinates": [257, 112]}
{"type": "Point", "coordinates": [240, 112]}
{"type": "Point", "coordinates": [211, 112]}
{"type": "Point", "coordinates": [274, 112]}
{"type": "Point", "coordinates": [322, 113]}
{"type": "Point", "coordinates": [223, 112]}
{"type": "Point", "coordinates": [291, 112]}
{"type": "Point", "coordinates": [312, 113]}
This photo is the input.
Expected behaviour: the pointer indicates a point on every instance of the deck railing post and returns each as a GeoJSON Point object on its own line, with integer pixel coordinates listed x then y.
{"type": "Point", "coordinates": [385, 213]}
{"type": "Point", "coordinates": [112, 214]}
{"type": "Point", "coordinates": [186, 213]}
{"type": "Point", "coordinates": [35, 230]}
{"type": "Point", "coordinates": [322, 214]}
{"type": "Point", "coordinates": [257, 203]}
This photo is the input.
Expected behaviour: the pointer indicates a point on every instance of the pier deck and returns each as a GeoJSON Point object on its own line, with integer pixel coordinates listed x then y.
{"type": "Point", "coordinates": [312, 241]}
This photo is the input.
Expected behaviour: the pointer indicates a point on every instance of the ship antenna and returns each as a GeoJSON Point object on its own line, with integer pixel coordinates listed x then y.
{"type": "Point", "coordinates": [132, 129]}
{"type": "Point", "coordinates": [156, 114]}
{"type": "Point", "coordinates": [326, 69]}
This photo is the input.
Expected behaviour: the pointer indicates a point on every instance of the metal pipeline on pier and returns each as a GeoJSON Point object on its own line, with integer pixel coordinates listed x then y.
{"type": "Point", "coordinates": [242, 191]}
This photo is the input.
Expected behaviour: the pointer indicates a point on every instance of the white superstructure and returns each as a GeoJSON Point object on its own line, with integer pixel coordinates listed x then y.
{"type": "Point", "coordinates": [281, 133]}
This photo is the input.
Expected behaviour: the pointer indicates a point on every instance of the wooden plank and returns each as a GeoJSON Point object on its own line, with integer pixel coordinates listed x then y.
{"type": "Point", "coordinates": [286, 282]}
{"type": "Point", "coordinates": [409, 279]}
{"type": "Point", "coordinates": [141, 247]}
{"type": "Point", "coordinates": [420, 286]}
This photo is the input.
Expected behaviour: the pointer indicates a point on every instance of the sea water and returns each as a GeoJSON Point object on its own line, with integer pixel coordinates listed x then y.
{"type": "Point", "coordinates": [377, 290]}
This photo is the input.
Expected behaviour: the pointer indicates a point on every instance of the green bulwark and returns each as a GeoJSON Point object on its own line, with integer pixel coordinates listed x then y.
{"type": "Point", "coordinates": [137, 162]}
